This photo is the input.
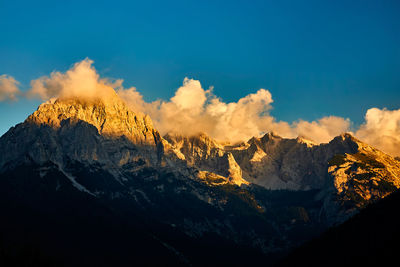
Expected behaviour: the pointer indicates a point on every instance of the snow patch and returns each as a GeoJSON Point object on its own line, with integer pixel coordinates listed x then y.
{"type": "Point", "coordinates": [75, 183]}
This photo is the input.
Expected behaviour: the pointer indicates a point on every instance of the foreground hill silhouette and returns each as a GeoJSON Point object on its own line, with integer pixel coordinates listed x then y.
{"type": "Point", "coordinates": [370, 238]}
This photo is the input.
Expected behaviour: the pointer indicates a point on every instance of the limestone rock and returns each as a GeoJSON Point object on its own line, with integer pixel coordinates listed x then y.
{"type": "Point", "coordinates": [111, 117]}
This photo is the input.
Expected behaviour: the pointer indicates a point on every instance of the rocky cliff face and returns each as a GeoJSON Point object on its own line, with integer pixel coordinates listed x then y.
{"type": "Point", "coordinates": [363, 177]}
{"type": "Point", "coordinates": [270, 161]}
{"type": "Point", "coordinates": [111, 117]}
{"type": "Point", "coordinates": [348, 173]}
{"type": "Point", "coordinates": [88, 130]}
{"type": "Point", "coordinates": [206, 155]}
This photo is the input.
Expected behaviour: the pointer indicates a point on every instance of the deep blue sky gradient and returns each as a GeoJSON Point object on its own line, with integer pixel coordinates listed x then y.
{"type": "Point", "coordinates": [317, 58]}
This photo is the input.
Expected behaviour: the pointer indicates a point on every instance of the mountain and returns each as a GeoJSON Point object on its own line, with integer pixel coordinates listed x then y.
{"type": "Point", "coordinates": [348, 173]}
{"type": "Point", "coordinates": [48, 132]}
{"type": "Point", "coordinates": [90, 182]}
{"type": "Point", "coordinates": [270, 161]}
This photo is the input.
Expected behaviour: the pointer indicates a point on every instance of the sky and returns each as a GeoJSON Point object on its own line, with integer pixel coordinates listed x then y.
{"type": "Point", "coordinates": [316, 58]}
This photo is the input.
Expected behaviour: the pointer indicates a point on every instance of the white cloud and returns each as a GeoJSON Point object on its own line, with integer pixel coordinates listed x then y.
{"type": "Point", "coordinates": [81, 80]}
{"type": "Point", "coordinates": [382, 130]}
{"type": "Point", "coordinates": [8, 88]}
{"type": "Point", "coordinates": [193, 109]}
{"type": "Point", "coordinates": [323, 130]}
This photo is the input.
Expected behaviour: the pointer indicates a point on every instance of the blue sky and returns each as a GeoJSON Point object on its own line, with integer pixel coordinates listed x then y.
{"type": "Point", "coordinates": [317, 58]}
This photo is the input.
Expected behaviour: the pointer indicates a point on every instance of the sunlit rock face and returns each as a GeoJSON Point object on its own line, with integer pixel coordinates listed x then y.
{"type": "Point", "coordinates": [195, 150]}
{"type": "Point", "coordinates": [93, 130]}
{"type": "Point", "coordinates": [348, 173]}
{"type": "Point", "coordinates": [110, 116]}
{"type": "Point", "coordinates": [280, 163]}
{"type": "Point", "coordinates": [359, 179]}
{"type": "Point", "coordinates": [368, 174]}
{"type": "Point", "coordinates": [270, 161]}
{"type": "Point", "coordinates": [209, 156]}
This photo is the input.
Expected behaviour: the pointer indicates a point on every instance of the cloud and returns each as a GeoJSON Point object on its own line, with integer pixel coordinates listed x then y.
{"type": "Point", "coordinates": [382, 130]}
{"type": "Point", "coordinates": [323, 130]}
{"type": "Point", "coordinates": [135, 100]}
{"type": "Point", "coordinates": [81, 81]}
{"type": "Point", "coordinates": [194, 109]}
{"type": "Point", "coordinates": [8, 88]}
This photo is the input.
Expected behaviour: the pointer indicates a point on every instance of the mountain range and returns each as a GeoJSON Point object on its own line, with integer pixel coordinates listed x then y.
{"type": "Point", "coordinates": [90, 182]}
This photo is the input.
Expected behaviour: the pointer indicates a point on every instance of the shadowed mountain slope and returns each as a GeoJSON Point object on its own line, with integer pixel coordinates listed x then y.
{"type": "Point", "coordinates": [369, 238]}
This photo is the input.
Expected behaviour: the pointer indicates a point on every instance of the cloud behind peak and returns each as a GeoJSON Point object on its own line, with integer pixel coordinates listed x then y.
{"type": "Point", "coordinates": [81, 80]}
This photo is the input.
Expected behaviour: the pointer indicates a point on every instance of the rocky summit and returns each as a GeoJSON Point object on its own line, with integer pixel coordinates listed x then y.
{"type": "Point", "coordinates": [93, 179]}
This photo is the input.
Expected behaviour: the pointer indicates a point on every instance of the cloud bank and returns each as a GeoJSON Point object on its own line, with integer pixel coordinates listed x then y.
{"type": "Point", "coordinates": [194, 109]}
{"type": "Point", "coordinates": [81, 81]}
{"type": "Point", "coordinates": [382, 130]}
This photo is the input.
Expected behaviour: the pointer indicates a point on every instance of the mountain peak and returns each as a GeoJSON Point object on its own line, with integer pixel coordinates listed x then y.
{"type": "Point", "coordinates": [346, 137]}
{"type": "Point", "coordinates": [110, 116]}
{"type": "Point", "coordinates": [270, 136]}
{"type": "Point", "coordinates": [303, 140]}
